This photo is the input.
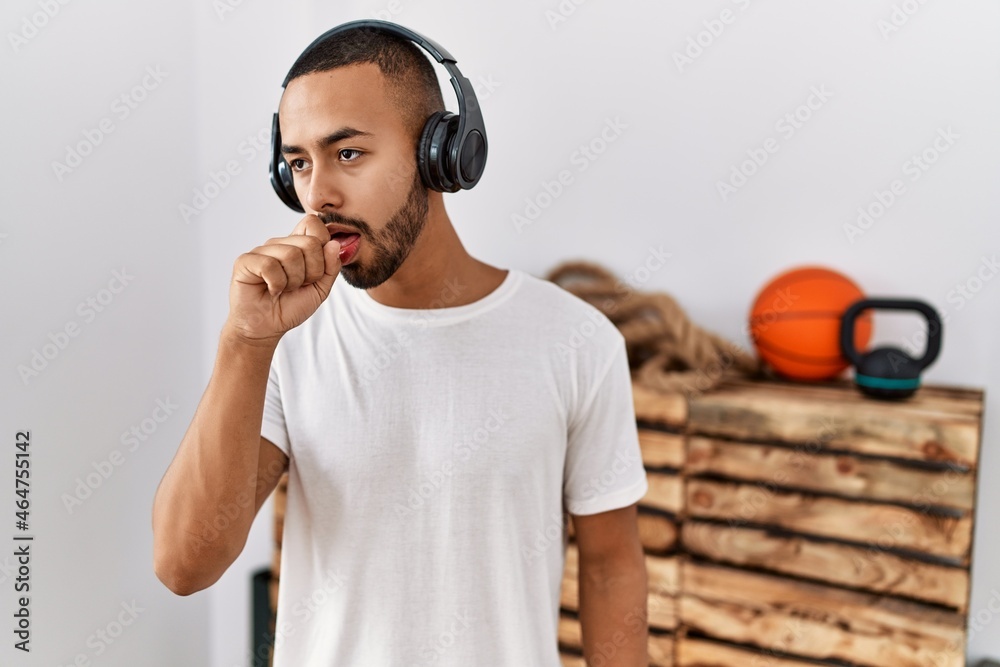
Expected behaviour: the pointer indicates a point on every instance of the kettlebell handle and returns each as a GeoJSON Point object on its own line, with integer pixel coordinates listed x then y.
{"type": "Point", "coordinates": [933, 346]}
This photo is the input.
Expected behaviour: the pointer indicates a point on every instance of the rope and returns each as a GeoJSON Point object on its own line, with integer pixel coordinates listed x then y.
{"type": "Point", "coordinates": [667, 351]}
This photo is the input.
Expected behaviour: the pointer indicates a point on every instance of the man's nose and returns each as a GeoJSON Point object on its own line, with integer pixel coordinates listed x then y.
{"type": "Point", "coordinates": [325, 188]}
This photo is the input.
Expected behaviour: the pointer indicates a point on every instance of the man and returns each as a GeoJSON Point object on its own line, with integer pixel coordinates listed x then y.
{"type": "Point", "coordinates": [438, 416]}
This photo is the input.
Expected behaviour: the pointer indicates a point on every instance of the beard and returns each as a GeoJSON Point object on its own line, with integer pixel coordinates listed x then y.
{"type": "Point", "coordinates": [389, 246]}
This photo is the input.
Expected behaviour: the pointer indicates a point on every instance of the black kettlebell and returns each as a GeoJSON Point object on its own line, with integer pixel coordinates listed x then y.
{"type": "Point", "coordinates": [889, 372]}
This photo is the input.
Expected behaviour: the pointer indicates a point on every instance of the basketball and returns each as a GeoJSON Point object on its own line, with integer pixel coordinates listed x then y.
{"type": "Point", "coordinates": [795, 323]}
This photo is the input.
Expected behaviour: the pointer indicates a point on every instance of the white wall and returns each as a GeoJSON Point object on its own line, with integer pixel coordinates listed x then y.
{"type": "Point", "coordinates": [551, 87]}
{"type": "Point", "coordinates": [63, 240]}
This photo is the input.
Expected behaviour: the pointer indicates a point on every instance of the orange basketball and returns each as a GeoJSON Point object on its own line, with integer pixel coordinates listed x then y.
{"type": "Point", "coordinates": [795, 323]}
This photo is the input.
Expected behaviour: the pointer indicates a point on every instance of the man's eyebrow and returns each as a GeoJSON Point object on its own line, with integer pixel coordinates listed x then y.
{"type": "Point", "coordinates": [329, 140]}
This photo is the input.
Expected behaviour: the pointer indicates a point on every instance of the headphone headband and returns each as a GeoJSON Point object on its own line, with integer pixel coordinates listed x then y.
{"type": "Point", "coordinates": [429, 45]}
{"type": "Point", "coordinates": [449, 158]}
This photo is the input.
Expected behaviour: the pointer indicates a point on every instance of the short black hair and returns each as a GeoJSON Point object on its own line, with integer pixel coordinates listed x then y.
{"type": "Point", "coordinates": [411, 82]}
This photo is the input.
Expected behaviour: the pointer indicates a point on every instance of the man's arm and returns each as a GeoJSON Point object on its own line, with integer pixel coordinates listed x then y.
{"type": "Point", "coordinates": [212, 490]}
{"type": "Point", "coordinates": [224, 469]}
{"type": "Point", "coordinates": [613, 588]}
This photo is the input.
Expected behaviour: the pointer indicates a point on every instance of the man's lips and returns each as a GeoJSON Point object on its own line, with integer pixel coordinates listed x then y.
{"type": "Point", "coordinates": [348, 238]}
{"type": "Point", "coordinates": [340, 232]}
{"type": "Point", "coordinates": [349, 248]}
{"type": "Point", "coordinates": [344, 238]}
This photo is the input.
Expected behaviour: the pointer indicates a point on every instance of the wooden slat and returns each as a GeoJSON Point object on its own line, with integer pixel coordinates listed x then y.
{"type": "Point", "coordinates": [661, 449]}
{"type": "Point", "coordinates": [845, 475]}
{"type": "Point", "coordinates": [665, 492]}
{"type": "Point", "coordinates": [663, 576]}
{"type": "Point", "coordinates": [569, 594]}
{"type": "Point", "coordinates": [661, 650]}
{"type": "Point", "coordinates": [933, 397]}
{"type": "Point", "coordinates": [870, 569]}
{"type": "Point", "coordinates": [660, 646]}
{"type": "Point", "coordinates": [657, 533]}
{"type": "Point", "coordinates": [664, 586]}
{"type": "Point", "coordinates": [818, 621]}
{"type": "Point", "coordinates": [569, 631]}
{"type": "Point", "coordinates": [886, 526]}
{"type": "Point", "coordinates": [658, 408]}
{"type": "Point", "coordinates": [902, 430]}
{"type": "Point", "coordinates": [693, 652]}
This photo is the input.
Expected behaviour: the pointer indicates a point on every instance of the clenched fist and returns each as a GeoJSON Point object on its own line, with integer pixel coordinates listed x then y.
{"type": "Point", "coordinates": [278, 285]}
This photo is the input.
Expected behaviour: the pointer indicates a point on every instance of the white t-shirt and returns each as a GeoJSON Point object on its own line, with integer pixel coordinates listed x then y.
{"type": "Point", "coordinates": [433, 454]}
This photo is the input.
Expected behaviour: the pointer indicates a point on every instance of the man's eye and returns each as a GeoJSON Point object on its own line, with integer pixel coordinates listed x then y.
{"type": "Point", "coordinates": [292, 164]}
{"type": "Point", "coordinates": [350, 150]}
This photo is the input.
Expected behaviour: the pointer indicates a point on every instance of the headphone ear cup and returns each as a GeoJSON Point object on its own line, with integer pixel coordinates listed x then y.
{"type": "Point", "coordinates": [423, 148]}
{"type": "Point", "coordinates": [472, 159]}
{"type": "Point", "coordinates": [287, 193]}
{"type": "Point", "coordinates": [436, 169]}
{"type": "Point", "coordinates": [281, 175]}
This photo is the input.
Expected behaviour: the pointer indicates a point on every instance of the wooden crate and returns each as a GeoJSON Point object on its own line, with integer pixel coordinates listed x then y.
{"type": "Point", "coordinates": [807, 524]}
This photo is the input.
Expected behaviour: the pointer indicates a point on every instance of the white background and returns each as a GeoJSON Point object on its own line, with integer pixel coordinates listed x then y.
{"type": "Point", "coordinates": [552, 86]}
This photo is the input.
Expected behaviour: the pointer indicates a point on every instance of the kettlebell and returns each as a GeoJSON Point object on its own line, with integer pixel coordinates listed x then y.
{"type": "Point", "coordinates": [889, 372]}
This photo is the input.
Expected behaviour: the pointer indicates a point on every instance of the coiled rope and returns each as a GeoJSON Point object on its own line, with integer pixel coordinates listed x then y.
{"type": "Point", "coordinates": [667, 351]}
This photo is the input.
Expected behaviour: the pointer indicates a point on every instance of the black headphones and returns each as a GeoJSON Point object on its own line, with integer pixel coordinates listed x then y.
{"type": "Point", "coordinates": [889, 372]}
{"type": "Point", "coordinates": [451, 153]}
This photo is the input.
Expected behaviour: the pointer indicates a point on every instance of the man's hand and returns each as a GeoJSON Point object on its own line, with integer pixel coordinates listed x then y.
{"type": "Point", "coordinates": [278, 285]}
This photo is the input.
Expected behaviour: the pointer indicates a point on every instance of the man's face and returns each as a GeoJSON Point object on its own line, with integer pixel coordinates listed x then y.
{"type": "Point", "coordinates": [354, 164]}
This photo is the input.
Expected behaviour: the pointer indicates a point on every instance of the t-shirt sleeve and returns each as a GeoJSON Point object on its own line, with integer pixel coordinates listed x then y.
{"type": "Point", "coordinates": [604, 469]}
{"type": "Point", "coordinates": [273, 422]}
